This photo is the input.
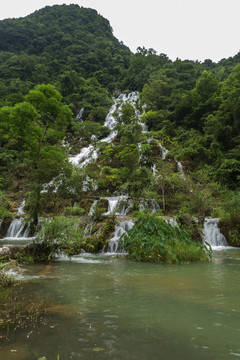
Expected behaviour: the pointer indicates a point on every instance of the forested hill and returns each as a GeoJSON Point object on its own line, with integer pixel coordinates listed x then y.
{"type": "Point", "coordinates": [63, 59]}
{"type": "Point", "coordinates": [45, 45]}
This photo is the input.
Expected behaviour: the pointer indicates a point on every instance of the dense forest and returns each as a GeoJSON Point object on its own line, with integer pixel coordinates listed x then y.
{"type": "Point", "coordinates": [62, 59]}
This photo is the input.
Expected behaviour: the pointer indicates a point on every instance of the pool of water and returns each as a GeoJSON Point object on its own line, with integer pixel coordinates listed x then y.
{"type": "Point", "coordinates": [112, 308]}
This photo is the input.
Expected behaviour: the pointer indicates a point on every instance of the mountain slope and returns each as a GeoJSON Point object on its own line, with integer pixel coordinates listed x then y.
{"type": "Point", "coordinates": [48, 43]}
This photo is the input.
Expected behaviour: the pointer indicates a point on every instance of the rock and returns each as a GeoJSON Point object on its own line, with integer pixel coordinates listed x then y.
{"type": "Point", "coordinates": [4, 251]}
{"type": "Point", "coordinates": [9, 250]}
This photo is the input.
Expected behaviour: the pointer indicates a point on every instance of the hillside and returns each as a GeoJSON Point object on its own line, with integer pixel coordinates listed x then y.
{"type": "Point", "coordinates": [58, 45]}
{"type": "Point", "coordinates": [62, 71]}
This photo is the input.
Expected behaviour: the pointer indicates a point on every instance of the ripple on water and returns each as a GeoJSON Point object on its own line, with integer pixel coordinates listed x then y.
{"type": "Point", "coordinates": [83, 258]}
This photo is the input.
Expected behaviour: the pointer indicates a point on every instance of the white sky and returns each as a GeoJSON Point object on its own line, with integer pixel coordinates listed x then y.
{"type": "Point", "coordinates": [188, 29]}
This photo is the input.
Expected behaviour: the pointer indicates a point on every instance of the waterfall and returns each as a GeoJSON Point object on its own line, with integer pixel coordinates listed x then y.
{"type": "Point", "coordinates": [89, 154]}
{"type": "Point", "coordinates": [88, 229]}
{"type": "Point", "coordinates": [84, 157]}
{"type": "Point", "coordinates": [212, 233]}
{"type": "Point", "coordinates": [18, 229]}
{"type": "Point", "coordinates": [80, 115]}
{"type": "Point", "coordinates": [93, 208]}
{"type": "Point", "coordinates": [120, 229]}
{"type": "Point", "coordinates": [117, 205]}
{"type": "Point", "coordinates": [173, 222]}
{"type": "Point", "coordinates": [21, 207]}
{"type": "Point", "coordinates": [164, 151]}
{"type": "Point", "coordinates": [180, 167]}
{"type": "Point", "coordinates": [149, 204]}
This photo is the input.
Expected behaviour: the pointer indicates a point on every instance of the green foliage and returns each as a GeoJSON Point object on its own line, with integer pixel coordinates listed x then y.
{"type": "Point", "coordinates": [87, 129]}
{"type": "Point", "coordinates": [232, 205]}
{"type": "Point", "coordinates": [59, 230]}
{"type": "Point", "coordinates": [54, 235]}
{"type": "Point", "coordinates": [4, 206]}
{"type": "Point", "coordinates": [52, 45]}
{"type": "Point", "coordinates": [73, 50]}
{"type": "Point", "coordinates": [38, 124]}
{"type": "Point", "coordinates": [154, 240]}
{"type": "Point", "coordinates": [74, 211]}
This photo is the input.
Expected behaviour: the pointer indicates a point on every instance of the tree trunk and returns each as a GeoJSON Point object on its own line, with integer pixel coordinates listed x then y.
{"type": "Point", "coordinates": [37, 206]}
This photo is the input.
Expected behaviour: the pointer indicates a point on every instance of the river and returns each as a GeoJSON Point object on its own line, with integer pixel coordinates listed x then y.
{"type": "Point", "coordinates": [111, 308]}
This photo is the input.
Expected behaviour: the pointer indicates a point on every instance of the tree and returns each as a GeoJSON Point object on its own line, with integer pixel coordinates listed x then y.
{"type": "Point", "coordinates": [40, 123]}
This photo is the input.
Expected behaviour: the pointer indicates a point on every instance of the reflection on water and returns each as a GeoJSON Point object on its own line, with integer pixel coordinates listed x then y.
{"type": "Point", "coordinates": [111, 308]}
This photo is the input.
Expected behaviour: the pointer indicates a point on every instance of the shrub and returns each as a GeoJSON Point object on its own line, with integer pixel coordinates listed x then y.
{"type": "Point", "coordinates": [154, 240]}
{"type": "Point", "coordinates": [4, 206]}
{"type": "Point", "coordinates": [74, 211]}
{"type": "Point", "coordinates": [53, 236]}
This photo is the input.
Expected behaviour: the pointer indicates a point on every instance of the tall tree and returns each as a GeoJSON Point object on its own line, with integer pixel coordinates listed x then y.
{"type": "Point", "coordinates": [40, 123]}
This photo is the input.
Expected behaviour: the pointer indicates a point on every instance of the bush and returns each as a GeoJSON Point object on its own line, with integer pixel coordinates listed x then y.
{"type": "Point", "coordinates": [53, 236]}
{"type": "Point", "coordinates": [154, 240]}
{"type": "Point", "coordinates": [4, 206]}
{"type": "Point", "coordinates": [74, 211]}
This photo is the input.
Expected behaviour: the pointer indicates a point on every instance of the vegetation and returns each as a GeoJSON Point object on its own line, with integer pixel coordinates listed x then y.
{"type": "Point", "coordinates": [55, 92]}
{"type": "Point", "coordinates": [155, 240]}
{"type": "Point", "coordinates": [16, 311]}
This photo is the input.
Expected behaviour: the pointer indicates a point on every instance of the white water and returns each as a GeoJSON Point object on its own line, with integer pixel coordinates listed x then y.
{"type": "Point", "coordinates": [18, 230]}
{"type": "Point", "coordinates": [85, 156]}
{"type": "Point", "coordinates": [21, 207]}
{"type": "Point", "coordinates": [164, 151]}
{"type": "Point", "coordinates": [117, 205]}
{"type": "Point", "coordinates": [93, 208]}
{"type": "Point", "coordinates": [180, 167]}
{"type": "Point", "coordinates": [90, 154]}
{"type": "Point", "coordinates": [173, 222]}
{"type": "Point", "coordinates": [80, 115]}
{"type": "Point", "coordinates": [149, 204]}
{"type": "Point", "coordinates": [213, 235]}
{"type": "Point", "coordinates": [120, 229]}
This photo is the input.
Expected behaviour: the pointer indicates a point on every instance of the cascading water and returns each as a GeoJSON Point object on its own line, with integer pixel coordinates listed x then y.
{"type": "Point", "coordinates": [18, 229]}
{"type": "Point", "coordinates": [164, 151]}
{"type": "Point", "coordinates": [150, 204]}
{"type": "Point", "coordinates": [120, 229]}
{"type": "Point", "coordinates": [212, 234]}
{"type": "Point", "coordinates": [90, 154]}
{"type": "Point", "coordinates": [21, 207]}
{"type": "Point", "coordinates": [180, 168]}
{"type": "Point", "coordinates": [80, 115]}
{"type": "Point", "coordinates": [93, 208]}
{"type": "Point", "coordinates": [117, 205]}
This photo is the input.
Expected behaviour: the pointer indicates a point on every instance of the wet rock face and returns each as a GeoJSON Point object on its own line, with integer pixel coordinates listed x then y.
{"type": "Point", "coordinates": [4, 226]}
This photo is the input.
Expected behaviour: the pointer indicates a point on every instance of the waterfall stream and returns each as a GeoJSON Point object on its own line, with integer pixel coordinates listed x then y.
{"type": "Point", "coordinates": [120, 229]}
{"type": "Point", "coordinates": [212, 234]}
{"type": "Point", "coordinates": [89, 154]}
{"type": "Point", "coordinates": [18, 230]}
{"type": "Point", "coordinates": [20, 211]}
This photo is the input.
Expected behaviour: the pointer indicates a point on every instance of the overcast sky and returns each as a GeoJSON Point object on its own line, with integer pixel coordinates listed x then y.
{"type": "Point", "coordinates": [188, 29]}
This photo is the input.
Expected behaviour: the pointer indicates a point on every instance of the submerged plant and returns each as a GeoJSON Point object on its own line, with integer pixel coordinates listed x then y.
{"type": "Point", "coordinates": [154, 240]}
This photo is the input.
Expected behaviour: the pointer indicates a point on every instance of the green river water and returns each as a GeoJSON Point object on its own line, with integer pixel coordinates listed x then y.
{"type": "Point", "coordinates": [112, 308]}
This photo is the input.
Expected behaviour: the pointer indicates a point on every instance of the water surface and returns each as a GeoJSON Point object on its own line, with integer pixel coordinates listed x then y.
{"type": "Point", "coordinates": [112, 308]}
